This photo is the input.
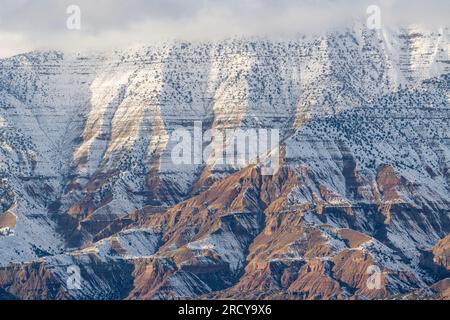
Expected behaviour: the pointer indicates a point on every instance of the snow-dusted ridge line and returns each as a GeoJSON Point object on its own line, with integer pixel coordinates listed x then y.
{"type": "Point", "coordinates": [364, 118]}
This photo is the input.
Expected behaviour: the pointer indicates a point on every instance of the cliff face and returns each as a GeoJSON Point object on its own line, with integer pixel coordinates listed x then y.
{"type": "Point", "coordinates": [87, 177]}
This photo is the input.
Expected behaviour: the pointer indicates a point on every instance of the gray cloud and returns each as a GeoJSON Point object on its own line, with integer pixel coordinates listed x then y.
{"type": "Point", "coordinates": [29, 24]}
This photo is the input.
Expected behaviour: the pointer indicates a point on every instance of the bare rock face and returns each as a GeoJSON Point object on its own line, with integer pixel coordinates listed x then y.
{"type": "Point", "coordinates": [442, 288]}
{"type": "Point", "coordinates": [8, 220]}
{"type": "Point", "coordinates": [359, 208]}
{"type": "Point", "coordinates": [441, 253]}
{"type": "Point", "coordinates": [31, 281]}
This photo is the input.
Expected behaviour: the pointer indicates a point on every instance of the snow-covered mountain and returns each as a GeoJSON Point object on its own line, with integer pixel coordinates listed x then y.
{"type": "Point", "coordinates": [87, 178]}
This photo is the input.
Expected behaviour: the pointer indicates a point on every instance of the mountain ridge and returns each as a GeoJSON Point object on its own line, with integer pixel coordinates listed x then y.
{"type": "Point", "coordinates": [87, 171]}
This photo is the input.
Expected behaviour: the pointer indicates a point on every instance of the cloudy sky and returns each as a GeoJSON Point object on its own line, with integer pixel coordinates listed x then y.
{"type": "Point", "coordinates": [29, 24]}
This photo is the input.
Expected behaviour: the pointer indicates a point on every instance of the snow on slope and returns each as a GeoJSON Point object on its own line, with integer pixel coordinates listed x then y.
{"type": "Point", "coordinates": [89, 134]}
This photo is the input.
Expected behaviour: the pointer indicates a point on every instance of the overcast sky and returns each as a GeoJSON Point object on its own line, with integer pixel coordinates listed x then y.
{"type": "Point", "coordinates": [41, 24]}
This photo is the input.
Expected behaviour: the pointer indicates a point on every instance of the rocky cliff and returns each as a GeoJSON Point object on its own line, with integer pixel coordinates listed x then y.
{"type": "Point", "coordinates": [87, 177]}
